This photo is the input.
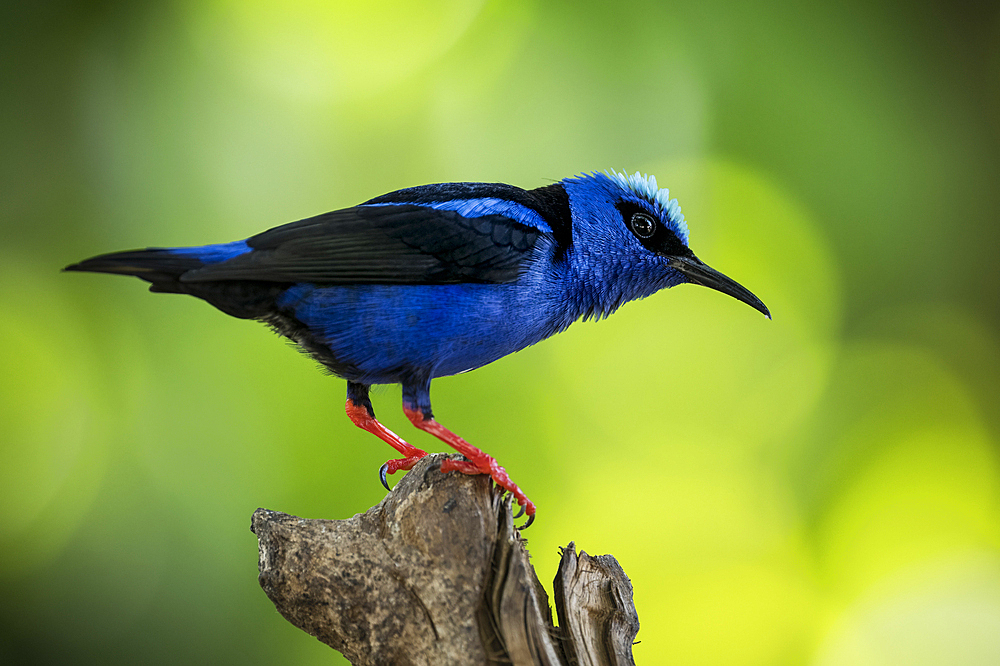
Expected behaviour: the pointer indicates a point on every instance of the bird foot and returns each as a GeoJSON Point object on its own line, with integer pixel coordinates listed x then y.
{"type": "Point", "coordinates": [462, 466]}
{"type": "Point", "coordinates": [487, 464]}
{"type": "Point", "coordinates": [395, 465]}
{"type": "Point", "coordinates": [361, 415]}
{"type": "Point", "coordinates": [476, 462]}
{"type": "Point", "coordinates": [481, 463]}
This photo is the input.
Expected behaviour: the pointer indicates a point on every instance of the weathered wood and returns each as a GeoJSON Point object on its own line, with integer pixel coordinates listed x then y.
{"type": "Point", "coordinates": [436, 573]}
{"type": "Point", "coordinates": [594, 601]}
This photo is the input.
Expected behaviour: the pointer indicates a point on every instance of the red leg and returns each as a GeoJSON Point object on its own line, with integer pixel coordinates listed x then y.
{"type": "Point", "coordinates": [365, 420]}
{"type": "Point", "coordinates": [478, 462]}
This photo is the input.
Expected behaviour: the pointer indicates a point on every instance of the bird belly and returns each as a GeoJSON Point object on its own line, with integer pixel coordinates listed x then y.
{"type": "Point", "coordinates": [380, 334]}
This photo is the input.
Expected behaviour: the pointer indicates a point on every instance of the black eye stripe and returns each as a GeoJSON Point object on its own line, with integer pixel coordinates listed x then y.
{"type": "Point", "coordinates": [642, 225]}
{"type": "Point", "coordinates": [654, 234]}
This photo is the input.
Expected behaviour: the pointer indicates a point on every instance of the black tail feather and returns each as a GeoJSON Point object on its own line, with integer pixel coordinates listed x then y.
{"type": "Point", "coordinates": [246, 299]}
{"type": "Point", "coordinates": [159, 266]}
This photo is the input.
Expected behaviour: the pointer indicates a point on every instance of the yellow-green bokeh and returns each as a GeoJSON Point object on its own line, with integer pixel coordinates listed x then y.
{"type": "Point", "coordinates": [823, 488]}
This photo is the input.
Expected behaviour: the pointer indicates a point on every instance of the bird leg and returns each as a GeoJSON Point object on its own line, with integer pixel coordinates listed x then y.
{"type": "Point", "coordinates": [477, 462]}
{"type": "Point", "coordinates": [362, 414]}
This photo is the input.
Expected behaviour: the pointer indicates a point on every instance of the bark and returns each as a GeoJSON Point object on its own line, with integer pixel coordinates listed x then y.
{"type": "Point", "coordinates": [436, 573]}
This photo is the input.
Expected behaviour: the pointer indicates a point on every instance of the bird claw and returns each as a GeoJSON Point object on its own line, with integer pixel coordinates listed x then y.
{"type": "Point", "coordinates": [531, 519]}
{"type": "Point", "coordinates": [520, 512]}
{"type": "Point", "coordinates": [382, 471]}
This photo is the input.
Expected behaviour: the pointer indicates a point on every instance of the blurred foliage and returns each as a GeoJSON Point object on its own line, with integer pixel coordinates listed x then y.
{"type": "Point", "coordinates": [820, 489]}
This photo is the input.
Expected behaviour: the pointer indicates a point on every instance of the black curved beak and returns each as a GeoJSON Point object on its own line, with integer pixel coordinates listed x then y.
{"type": "Point", "coordinates": [698, 272]}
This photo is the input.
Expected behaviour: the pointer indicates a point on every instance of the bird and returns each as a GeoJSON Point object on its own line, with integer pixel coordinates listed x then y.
{"type": "Point", "coordinates": [440, 279]}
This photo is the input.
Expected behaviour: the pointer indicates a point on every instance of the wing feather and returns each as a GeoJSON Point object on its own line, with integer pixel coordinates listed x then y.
{"type": "Point", "coordinates": [383, 244]}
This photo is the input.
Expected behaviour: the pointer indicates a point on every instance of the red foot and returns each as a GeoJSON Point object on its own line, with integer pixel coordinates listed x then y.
{"type": "Point", "coordinates": [361, 418]}
{"type": "Point", "coordinates": [478, 462]}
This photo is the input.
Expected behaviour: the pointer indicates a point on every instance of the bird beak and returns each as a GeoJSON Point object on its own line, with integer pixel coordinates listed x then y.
{"type": "Point", "coordinates": [698, 272]}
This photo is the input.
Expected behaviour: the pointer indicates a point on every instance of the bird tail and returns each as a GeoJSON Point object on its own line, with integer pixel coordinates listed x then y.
{"type": "Point", "coordinates": [164, 268]}
{"type": "Point", "coordinates": [160, 266]}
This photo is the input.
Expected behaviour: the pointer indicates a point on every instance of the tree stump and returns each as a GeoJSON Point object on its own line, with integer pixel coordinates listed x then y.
{"type": "Point", "coordinates": [436, 573]}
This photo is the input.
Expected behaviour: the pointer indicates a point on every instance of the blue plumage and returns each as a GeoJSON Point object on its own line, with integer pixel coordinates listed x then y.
{"type": "Point", "coordinates": [435, 280]}
{"type": "Point", "coordinates": [212, 254]}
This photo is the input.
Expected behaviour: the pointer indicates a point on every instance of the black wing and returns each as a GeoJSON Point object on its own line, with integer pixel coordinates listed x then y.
{"type": "Point", "coordinates": [384, 244]}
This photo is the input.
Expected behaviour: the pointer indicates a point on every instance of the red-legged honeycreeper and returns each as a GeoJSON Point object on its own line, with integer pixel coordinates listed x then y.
{"type": "Point", "coordinates": [440, 279]}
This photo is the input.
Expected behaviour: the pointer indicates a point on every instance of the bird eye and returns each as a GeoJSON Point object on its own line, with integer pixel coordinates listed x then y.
{"type": "Point", "coordinates": [642, 225]}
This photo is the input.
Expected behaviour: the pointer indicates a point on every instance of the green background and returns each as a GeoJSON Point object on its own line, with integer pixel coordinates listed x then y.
{"type": "Point", "coordinates": [820, 489]}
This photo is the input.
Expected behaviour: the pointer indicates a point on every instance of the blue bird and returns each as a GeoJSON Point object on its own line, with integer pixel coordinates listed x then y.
{"type": "Point", "coordinates": [440, 279]}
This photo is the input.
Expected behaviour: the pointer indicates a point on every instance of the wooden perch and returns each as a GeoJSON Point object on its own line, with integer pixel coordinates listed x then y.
{"type": "Point", "coordinates": [436, 573]}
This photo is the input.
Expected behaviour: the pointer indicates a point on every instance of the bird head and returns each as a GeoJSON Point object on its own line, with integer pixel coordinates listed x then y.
{"type": "Point", "coordinates": [632, 220]}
